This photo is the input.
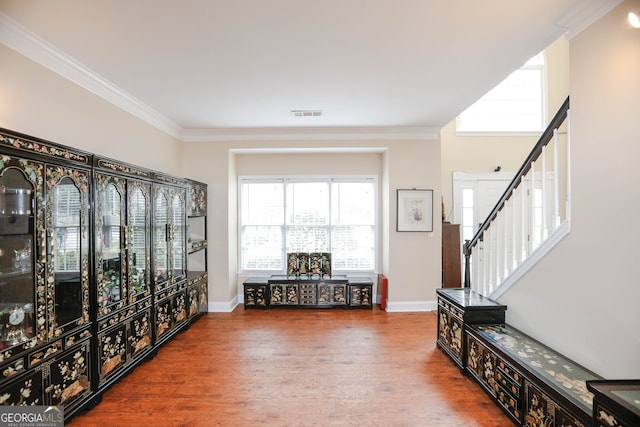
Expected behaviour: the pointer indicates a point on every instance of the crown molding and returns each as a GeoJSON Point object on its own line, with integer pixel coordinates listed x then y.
{"type": "Point", "coordinates": [311, 134]}
{"type": "Point", "coordinates": [310, 150]}
{"type": "Point", "coordinates": [582, 17]}
{"type": "Point", "coordinates": [18, 38]}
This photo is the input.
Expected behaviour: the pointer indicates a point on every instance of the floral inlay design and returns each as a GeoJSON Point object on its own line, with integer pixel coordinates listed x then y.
{"type": "Point", "coordinates": [169, 179]}
{"type": "Point", "coordinates": [44, 148]}
{"type": "Point", "coordinates": [193, 301]}
{"type": "Point", "coordinates": [474, 356]}
{"type": "Point", "coordinates": [197, 246]}
{"type": "Point", "coordinates": [13, 369]}
{"type": "Point", "coordinates": [121, 167]}
{"type": "Point", "coordinates": [567, 377]}
{"type": "Point", "coordinates": [276, 294]}
{"type": "Point", "coordinates": [180, 308]}
{"type": "Point", "coordinates": [141, 337]}
{"type": "Point", "coordinates": [198, 202]}
{"type": "Point", "coordinates": [254, 295]}
{"type": "Point", "coordinates": [360, 295]}
{"type": "Point", "coordinates": [204, 294]}
{"type": "Point", "coordinates": [45, 354]}
{"type": "Point", "coordinates": [489, 370]}
{"type": "Point", "coordinates": [21, 395]}
{"type": "Point", "coordinates": [73, 378]}
{"type": "Point", "coordinates": [112, 352]}
{"type": "Point", "coordinates": [537, 414]}
{"type": "Point", "coordinates": [450, 332]}
{"type": "Point", "coordinates": [163, 318]}
{"type": "Point", "coordinates": [292, 294]}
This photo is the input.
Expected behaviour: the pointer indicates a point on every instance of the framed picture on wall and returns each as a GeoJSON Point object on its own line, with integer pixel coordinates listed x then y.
{"type": "Point", "coordinates": [415, 210]}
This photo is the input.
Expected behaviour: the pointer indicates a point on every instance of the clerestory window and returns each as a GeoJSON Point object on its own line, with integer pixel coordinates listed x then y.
{"type": "Point", "coordinates": [516, 105]}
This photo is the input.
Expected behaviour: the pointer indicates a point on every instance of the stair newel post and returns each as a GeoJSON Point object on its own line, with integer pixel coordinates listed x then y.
{"type": "Point", "coordinates": [467, 263]}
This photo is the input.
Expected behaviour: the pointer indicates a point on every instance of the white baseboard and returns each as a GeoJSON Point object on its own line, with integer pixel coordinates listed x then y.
{"type": "Point", "coordinates": [223, 307]}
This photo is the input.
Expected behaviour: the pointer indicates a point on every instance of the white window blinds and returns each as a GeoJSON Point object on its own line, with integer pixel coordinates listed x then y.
{"type": "Point", "coordinates": [284, 215]}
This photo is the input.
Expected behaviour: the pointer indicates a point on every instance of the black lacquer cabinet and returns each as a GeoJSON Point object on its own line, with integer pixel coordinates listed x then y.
{"type": "Point", "coordinates": [45, 324]}
{"type": "Point", "coordinates": [169, 259]}
{"type": "Point", "coordinates": [615, 402]}
{"type": "Point", "coordinates": [534, 385]}
{"type": "Point", "coordinates": [458, 307]}
{"type": "Point", "coordinates": [122, 265]}
{"type": "Point", "coordinates": [285, 291]}
{"type": "Point", "coordinates": [93, 269]}
{"type": "Point", "coordinates": [198, 284]}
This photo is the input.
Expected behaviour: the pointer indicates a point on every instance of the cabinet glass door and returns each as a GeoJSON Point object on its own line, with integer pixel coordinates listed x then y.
{"type": "Point", "coordinates": [109, 244]}
{"type": "Point", "coordinates": [138, 245]}
{"type": "Point", "coordinates": [178, 224]}
{"type": "Point", "coordinates": [66, 251]}
{"type": "Point", "coordinates": [160, 241]}
{"type": "Point", "coordinates": [17, 290]}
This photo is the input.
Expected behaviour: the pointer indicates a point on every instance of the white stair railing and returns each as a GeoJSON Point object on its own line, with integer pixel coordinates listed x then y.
{"type": "Point", "coordinates": [529, 214]}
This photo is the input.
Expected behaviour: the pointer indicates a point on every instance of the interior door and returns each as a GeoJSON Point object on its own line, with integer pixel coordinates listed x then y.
{"type": "Point", "coordinates": [488, 192]}
{"type": "Point", "coordinates": [474, 197]}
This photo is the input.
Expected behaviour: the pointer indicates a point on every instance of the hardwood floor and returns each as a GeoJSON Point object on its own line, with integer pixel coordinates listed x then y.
{"type": "Point", "coordinates": [297, 367]}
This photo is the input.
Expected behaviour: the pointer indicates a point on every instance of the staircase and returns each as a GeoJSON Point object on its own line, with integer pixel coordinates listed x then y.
{"type": "Point", "coordinates": [531, 216]}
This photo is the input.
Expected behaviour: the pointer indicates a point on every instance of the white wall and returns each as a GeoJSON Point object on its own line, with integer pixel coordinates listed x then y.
{"type": "Point", "coordinates": [40, 103]}
{"type": "Point", "coordinates": [309, 164]}
{"type": "Point", "coordinates": [412, 261]}
{"type": "Point", "coordinates": [583, 298]}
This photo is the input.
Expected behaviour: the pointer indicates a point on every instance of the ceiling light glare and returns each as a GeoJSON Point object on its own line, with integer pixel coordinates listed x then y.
{"type": "Point", "coordinates": [634, 19]}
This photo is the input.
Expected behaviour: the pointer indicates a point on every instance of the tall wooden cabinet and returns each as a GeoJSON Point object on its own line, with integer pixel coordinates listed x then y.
{"type": "Point", "coordinates": [169, 255]}
{"type": "Point", "coordinates": [451, 255]}
{"type": "Point", "coordinates": [93, 269]}
{"type": "Point", "coordinates": [122, 266]}
{"type": "Point", "coordinates": [198, 285]}
{"type": "Point", "coordinates": [45, 322]}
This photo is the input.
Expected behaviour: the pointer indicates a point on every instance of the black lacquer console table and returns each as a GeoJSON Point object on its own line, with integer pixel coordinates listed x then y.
{"type": "Point", "coordinates": [283, 291]}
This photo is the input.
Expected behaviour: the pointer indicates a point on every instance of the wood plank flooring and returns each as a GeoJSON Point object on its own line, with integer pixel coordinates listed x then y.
{"type": "Point", "coordinates": [297, 367]}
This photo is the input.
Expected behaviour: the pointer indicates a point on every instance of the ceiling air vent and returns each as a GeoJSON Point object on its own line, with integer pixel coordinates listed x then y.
{"type": "Point", "coordinates": [306, 113]}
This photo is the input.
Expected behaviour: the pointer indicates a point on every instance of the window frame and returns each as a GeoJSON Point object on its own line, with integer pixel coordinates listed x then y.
{"type": "Point", "coordinates": [284, 179]}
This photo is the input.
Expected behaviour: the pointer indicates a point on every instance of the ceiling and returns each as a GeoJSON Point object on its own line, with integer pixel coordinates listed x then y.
{"type": "Point", "coordinates": [212, 67]}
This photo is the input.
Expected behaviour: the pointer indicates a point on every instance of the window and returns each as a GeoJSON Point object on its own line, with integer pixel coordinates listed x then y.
{"type": "Point", "coordinates": [282, 215]}
{"type": "Point", "coordinates": [468, 220]}
{"type": "Point", "coordinates": [66, 215]}
{"type": "Point", "coordinates": [515, 105]}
